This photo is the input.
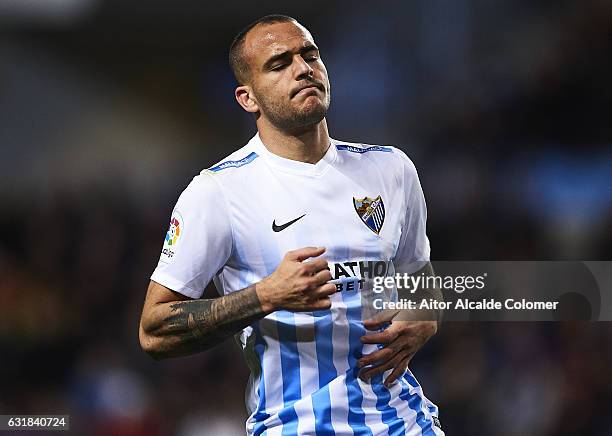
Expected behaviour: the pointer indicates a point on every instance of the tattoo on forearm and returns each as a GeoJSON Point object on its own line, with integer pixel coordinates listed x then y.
{"type": "Point", "coordinates": [200, 324]}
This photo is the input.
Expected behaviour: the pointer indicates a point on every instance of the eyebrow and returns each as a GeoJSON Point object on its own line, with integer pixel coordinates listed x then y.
{"type": "Point", "coordinates": [286, 53]}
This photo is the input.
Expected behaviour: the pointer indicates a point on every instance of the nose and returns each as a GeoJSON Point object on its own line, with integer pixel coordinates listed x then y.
{"type": "Point", "coordinates": [302, 68]}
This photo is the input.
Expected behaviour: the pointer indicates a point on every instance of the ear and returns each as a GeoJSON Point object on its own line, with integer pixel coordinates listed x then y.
{"type": "Point", "coordinates": [246, 99]}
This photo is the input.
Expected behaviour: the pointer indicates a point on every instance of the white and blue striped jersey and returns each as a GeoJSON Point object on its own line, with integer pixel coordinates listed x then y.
{"type": "Point", "coordinates": [365, 205]}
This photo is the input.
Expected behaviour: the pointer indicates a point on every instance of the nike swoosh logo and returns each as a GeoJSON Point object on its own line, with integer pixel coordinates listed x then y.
{"type": "Point", "coordinates": [276, 228]}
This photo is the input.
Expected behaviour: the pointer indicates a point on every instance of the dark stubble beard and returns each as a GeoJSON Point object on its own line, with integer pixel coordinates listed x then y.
{"type": "Point", "coordinates": [286, 117]}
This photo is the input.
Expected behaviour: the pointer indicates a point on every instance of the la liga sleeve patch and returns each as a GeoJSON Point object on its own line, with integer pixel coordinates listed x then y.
{"type": "Point", "coordinates": [173, 237]}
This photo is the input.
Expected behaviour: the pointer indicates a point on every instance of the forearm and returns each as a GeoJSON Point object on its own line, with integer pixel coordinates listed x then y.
{"type": "Point", "coordinates": [428, 293]}
{"type": "Point", "coordinates": [185, 327]}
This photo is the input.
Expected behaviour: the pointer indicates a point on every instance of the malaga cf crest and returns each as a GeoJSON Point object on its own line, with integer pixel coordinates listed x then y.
{"type": "Point", "coordinates": [371, 211]}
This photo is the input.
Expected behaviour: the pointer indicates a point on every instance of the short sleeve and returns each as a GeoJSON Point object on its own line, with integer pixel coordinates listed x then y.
{"type": "Point", "coordinates": [198, 242]}
{"type": "Point", "coordinates": [413, 249]}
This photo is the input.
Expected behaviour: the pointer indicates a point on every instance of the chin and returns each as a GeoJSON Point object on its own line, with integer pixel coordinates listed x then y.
{"type": "Point", "coordinates": [309, 113]}
{"type": "Point", "coordinates": [313, 115]}
{"type": "Point", "coordinates": [313, 107]}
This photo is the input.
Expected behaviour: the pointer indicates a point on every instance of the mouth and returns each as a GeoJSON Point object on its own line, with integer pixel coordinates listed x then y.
{"type": "Point", "coordinates": [309, 87]}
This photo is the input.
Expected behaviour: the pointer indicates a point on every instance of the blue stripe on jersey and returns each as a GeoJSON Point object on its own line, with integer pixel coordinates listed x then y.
{"type": "Point", "coordinates": [415, 384]}
{"type": "Point", "coordinates": [321, 401]}
{"type": "Point", "coordinates": [234, 163]}
{"type": "Point", "coordinates": [433, 409]}
{"type": "Point", "coordinates": [322, 410]}
{"type": "Point", "coordinates": [415, 402]}
{"type": "Point", "coordinates": [356, 416]}
{"type": "Point", "coordinates": [289, 418]}
{"type": "Point", "coordinates": [360, 150]}
{"type": "Point", "coordinates": [290, 363]}
{"type": "Point", "coordinates": [290, 368]}
{"type": "Point", "coordinates": [388, 413]}
{"type": "Point", "coordinates": [260, 415]}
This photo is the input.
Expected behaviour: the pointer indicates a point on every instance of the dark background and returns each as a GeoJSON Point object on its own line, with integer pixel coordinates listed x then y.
{"type": "Point", "coordinates": [109, 108]}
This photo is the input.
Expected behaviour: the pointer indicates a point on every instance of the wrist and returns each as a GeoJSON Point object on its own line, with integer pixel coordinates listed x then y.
{"type": "Point", "coordinates": [262, 291]}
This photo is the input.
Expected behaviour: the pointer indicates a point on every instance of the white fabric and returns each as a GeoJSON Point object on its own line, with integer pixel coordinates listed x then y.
{"type": "Point", "coordinates": [303, 364]}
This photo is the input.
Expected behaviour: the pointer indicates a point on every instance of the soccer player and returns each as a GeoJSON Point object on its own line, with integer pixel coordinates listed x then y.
{"type": "Point", "coordinates": [290, 227]}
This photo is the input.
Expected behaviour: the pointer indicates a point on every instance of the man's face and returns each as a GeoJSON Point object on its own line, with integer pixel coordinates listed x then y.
{"type": "Point", "coordinates": [287, 77]}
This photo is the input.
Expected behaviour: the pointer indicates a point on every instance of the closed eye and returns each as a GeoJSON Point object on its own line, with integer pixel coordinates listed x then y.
{"type": "Point", "coordinates": [278, 67]}
{"type": "Point", "coordinates": [310, 53]}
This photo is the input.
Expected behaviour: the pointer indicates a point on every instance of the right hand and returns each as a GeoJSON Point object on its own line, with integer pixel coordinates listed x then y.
{"type": "Point", "coordinates": [296, 285]}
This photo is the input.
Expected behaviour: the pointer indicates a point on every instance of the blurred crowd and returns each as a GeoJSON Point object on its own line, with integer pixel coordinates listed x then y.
{"type": "Point", "coordinates": [106, 116]}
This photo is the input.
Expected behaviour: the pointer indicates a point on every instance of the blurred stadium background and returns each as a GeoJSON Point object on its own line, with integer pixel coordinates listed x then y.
{"type": "Point", "coordinates": [109, 108]}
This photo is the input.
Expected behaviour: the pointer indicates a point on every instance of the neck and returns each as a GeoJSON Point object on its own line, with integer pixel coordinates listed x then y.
{"type": "Point", "coordinates": [307, 145]}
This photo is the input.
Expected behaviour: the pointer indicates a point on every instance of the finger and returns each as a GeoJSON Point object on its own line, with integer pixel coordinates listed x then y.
{"type": "Point", "coordinates": [401, 343]}
{"type": "Point", "coordinates": [314, 266]}
{"type": "Point", "coordinates": [322, 277]}
{"type": "Point", "coordinates": [302, 254]}
{"type": "Point", "coordinates": [368, 373]}
{"type": "Point", "coordinates": [324, 291]}
{"type": "Point", "coordinates": [377, 356]}
{"type": "Point", "coordinates": [398, 371]}
{"type": "Point", "coordinates": [384, 337]}
{"type": "Point", "coordinates": [381, 319]}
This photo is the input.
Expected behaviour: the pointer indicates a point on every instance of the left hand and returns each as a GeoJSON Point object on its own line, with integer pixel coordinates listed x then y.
{"type": "Point", "coordinates": [401, 340]}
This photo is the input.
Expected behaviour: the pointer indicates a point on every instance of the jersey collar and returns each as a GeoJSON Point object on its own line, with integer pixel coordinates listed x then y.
{"type": "Point", "coordinates": [295, 166]}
